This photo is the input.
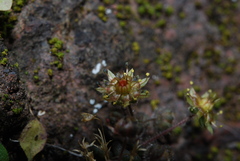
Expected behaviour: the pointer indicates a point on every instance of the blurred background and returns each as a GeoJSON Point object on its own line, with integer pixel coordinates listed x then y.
{"type": "Point", "coordinates": [59, 49]}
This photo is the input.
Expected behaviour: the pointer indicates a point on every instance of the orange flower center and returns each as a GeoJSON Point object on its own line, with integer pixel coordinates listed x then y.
{"type": "Point", "coordinates": [123, 87]}
{"type": "Point", "coordinates": [122, 83]}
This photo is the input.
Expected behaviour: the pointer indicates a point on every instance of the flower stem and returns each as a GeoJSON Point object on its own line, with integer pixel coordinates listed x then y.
{"type": "Point", "coordinates": [167, 130]}
{"type": "Point", "coordinates": [130, 111]}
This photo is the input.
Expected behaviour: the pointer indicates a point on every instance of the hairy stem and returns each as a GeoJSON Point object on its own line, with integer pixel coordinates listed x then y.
{"type": "Point", "coordinates": [167, 130]}
{"type": "Point", "coordinates": [130, 110]}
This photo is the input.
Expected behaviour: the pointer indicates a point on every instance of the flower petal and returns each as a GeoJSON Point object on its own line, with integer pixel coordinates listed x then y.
{"type": "Point", "coordinates": [143, 82]}
{"type": "Point", "coordinates": [130, 73]}
{"type": "Point", "coordinates": [110, 75]}
{"type": "Point", "coordinates": [101, 90]}
{"type": "Point", "coordinates": [192, 93]}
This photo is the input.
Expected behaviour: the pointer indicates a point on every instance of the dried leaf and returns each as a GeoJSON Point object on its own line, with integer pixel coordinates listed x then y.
{"type": "Point", "coordinates": [87, 117]}
{"type": "Point", "coordinates": [5, 5]}
{"type": "Point", "coordinates": [33, 138]}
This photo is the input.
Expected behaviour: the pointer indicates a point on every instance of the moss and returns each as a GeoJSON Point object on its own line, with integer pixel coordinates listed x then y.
{"type": "Point", "coordinates": [76, 128]}
{"type": "Point", "coordinates": [168, 75]}
{"type": "Point", "coordinates": [5, 52]}
{"type": "Point", "coordinates": [214, 149]}
{"type": "Point", "coordinates": [177, 80]}
{"type": "Point", "coordinates": [146, 61]}
{"type": "Point", "coordinates": [60, 66]}
{"type": "Point", "coordinates": [53, 41]}
{"type": "Point", "coordinates": [177, 69]}
{"type": "Point", "coordinates": [177, 130]}
{"type": "Point", "coordinates": [159, 7]}
{"type": "Point", "coordinates": [36, 78]}
{"type": "Point", "coordinates": [54, 50]}
{"type": "Point", "coordinates": [181, 93]}
{"type": "Point", "coordinates": [108, 2]}
{"type": "Point", "coordinates": [58, 45]}
{"type": "Point", "coordinates": [229, 69]}
{"type": "Point", "coordinates": [142, 10]}
{"type": "Point", "coordinates": [55, 62]}
{"type": "Point", "coordinates": [60, 55]}
{"type": "Point", "coordinates": [35, 71]}
{"type": "Point", "coordinates": [50, 72]}
{"type": "Point", "coordinates": [122, 23]}
{"type": "Point", "coordinates": [6, 96]}
{"type": "Point", "coordinates": [101, 12]}
{"type": "Point", "coordinates": [154, 104]}
{"type": "Point", "coordinates": [127, 9]}
{"type": "Point", "coordinates": [161, 23]}
{"type": "Point", "coordinates": [150, 10]}
{"type": "Point", "coordinates": [4, 61]}
{"type": "Point", "coordinates": [16, 65]}
{"type": "Point", "coordinates": [182, 15]}
{"type": "Point", "coordinates": [17, 111]}
{"type": "Point", "coordinates": [101, 9]}
{"type": "Point", "coordinates": [169, 10]}
{"type": "Point", "coordinates": [135, 47]}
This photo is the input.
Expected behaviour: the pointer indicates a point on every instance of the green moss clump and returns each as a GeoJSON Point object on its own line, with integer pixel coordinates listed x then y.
{"type": "Point", "coordinates": [135, 47]}
{"type": "Point", "coordinates": [4, 61]}
{"type": "Point", "coordinates": [161, 23]}
{"type": "Point", "coordinates": [154, 104]}
{"type": "Point", "coordinates": [122, 23]}
{"type": "Point", "coordinates": [159, 7]}
{"type": "Point", "coordinates": [17, 110]}
{"type": "Point", "coordinates": [16, 65]}
{"type": "Point", "coordinates": [169, 10]}
{"type": "Point", "coordinates": [214, 149]}
{"type": "Point", "coordinates": [57, 50]}
{"type": "Point", "coordinates": [101, 12]}
{"type": "Point", "coordinates": [50, 72]}
{"type": "Point", "coordinates": [182, 15]}
{"type": "Point", "coordinates": [35, 71]}
{"type": "Point", "coordinates": [54, 50]}
{"type": "Point", "coordinates": [5, 52]}
{"type": "Point", "coordinates": [36, 78]}
{"type": "Point", "coordinates": [60, 55]}
{"type": "Point", "coordinates": [177, 130]}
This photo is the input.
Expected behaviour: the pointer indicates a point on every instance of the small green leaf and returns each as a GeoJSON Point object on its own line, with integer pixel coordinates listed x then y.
{"type": "Point", "coordinates": [209, 128]}
{"type": "Point", "coordinates": [5, 5]}
{"type": "Point", "coordinates": [33, 138]}
{"type": "Point", "coordinates": [202, 121]}
{"type": "Point", "coordinates": [193, 110]}
{"type": "Point", "coordinates": [3, 153]}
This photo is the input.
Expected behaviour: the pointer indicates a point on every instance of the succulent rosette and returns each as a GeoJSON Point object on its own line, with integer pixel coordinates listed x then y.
{"type": "Point", "coordinates": [124, 88]}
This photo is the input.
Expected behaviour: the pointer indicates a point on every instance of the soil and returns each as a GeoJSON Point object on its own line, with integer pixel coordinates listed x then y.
{"type": "Point", "coordinates": [198, 42]}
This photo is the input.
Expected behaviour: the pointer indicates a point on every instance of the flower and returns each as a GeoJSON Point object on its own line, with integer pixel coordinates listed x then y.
{"type": "Point", "coordinates": [202, 106]}
{"type": "Point", "coordinates": [124, 88]}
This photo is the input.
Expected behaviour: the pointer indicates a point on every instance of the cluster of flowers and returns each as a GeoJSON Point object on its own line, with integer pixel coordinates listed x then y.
{"type": "Point", "coordinates": [125, 88]}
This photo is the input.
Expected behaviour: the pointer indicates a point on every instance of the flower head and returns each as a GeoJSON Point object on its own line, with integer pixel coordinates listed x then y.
{"type": "Point", "coordinates": [202, 106]}
{"type": "Point", "coordinates": [124, 88]}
